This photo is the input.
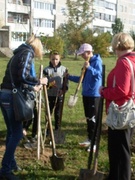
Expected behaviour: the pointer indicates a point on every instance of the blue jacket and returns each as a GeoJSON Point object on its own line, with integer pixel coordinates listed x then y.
{"type": "Point", "coordinates": [92, 78]}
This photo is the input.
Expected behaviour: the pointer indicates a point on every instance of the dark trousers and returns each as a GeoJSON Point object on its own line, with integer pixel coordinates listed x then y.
{"type": "Point", "coordinates": [119, 154]}
{"type": "Point", "coordinates": [55, 104]}
{"type": "Point", "coordinates": [91, 105]}
{"type": "Point", "coordinates": [33, 121]}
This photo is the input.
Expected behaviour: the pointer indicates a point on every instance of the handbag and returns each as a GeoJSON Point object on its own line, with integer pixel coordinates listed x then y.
{"type": "Point", "coordinates": [23, 102]}
{"type": "Point", "coordinates": [122, 117]}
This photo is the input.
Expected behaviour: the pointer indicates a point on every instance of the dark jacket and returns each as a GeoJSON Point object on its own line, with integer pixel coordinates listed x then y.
{"type": "Point", "coordinates": [22, 68]}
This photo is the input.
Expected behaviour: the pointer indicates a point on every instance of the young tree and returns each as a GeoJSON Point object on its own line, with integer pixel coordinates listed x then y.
{"type": "Point", "coordinates": [80, 15]}
{"type": "Point", "coordinates": [118, 26]}
{"type": "Point", "coordinates": [53, 43]}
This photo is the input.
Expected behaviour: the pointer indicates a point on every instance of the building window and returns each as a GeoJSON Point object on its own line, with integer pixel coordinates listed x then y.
{"type": "Point", "coordinates": [121, 8]}
{"type": "Point", "coordinates": [17, 18]}
{"type": "Point", "coordinates": [110, 6]}
{"type": "Point", "coordinates": [44, 23]}
{"type": "Point", "coordinates": [19, 36]}
{"type": "Point", "coordinates": [113, 18]}
{"type": "Point", "coordinates": [107, 17]}
{"type": "Point", "coordinates": [42, 5]}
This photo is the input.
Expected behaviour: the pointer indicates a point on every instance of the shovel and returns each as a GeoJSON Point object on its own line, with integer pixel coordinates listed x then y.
{"type": "Point", "coordinates": [58, 134]}
{"type": "Point", "coordinates": [39, 118]}
{"type": "Point", "coordinates": [93, 174]}
{"type": "Point", "coordinates": [57, 163]}
{"type": "Point", "coordinates": [73, 98]}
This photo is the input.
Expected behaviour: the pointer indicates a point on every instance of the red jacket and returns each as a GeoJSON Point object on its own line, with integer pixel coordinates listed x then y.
{"type": "Point", "coordinates": [122, 90]}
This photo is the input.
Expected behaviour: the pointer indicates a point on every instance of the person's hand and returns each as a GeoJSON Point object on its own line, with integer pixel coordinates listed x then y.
{"type": "Point", "coordinates": [66, 74]}
{"type": "Point", "coordinates": [60, 93]}
{"type": "Point", "coordinates": [37, 87]}
{"type": "Point", "coordinates": [86, 64]}
{"type": "Point", "coordinates": [44, 81]}
{"type": "Point", "coordinates": [52, 84]}
{"type": "Point", "coordinates": [101, 89]}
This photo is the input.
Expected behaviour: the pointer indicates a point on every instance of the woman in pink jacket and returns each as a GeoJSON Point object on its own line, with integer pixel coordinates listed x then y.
{"type": "Point", "coordinates": [119, 140]}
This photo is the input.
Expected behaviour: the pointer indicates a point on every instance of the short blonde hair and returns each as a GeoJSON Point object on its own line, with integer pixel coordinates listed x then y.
{"type": "Point", "coordinates": [122, 41]}
{"type": "Point", "coordinates": [36, 44]}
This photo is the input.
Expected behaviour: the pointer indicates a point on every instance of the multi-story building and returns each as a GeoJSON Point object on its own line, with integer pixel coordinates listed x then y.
{"type": "Point", "coordinates": [44, 16]}
{"type": "Point", "coordinates": [104, 14]}
{"type": "Point", "coordinates": [126, 12]}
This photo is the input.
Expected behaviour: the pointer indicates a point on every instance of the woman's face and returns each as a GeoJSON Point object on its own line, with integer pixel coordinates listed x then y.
{"type": "Point", "coordinates": [55, 59]}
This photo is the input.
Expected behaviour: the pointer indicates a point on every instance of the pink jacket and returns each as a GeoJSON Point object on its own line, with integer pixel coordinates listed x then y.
{"type": "Point", "coordinates": [122, 90]}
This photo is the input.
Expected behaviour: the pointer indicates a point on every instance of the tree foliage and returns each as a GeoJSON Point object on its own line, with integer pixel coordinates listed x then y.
{"type": "Point", "coordinates": [101, 43]}
{"type": "Point", "coordinates": [118, 26]}
{"type": "Point", "coordinates": [53, 43]}
{"type": "Point", "coordinates": [80, 15]}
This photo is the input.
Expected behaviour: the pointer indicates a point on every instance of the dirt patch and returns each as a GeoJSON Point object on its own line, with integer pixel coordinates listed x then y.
{"type": "Point", "coordinates": [25, 154]}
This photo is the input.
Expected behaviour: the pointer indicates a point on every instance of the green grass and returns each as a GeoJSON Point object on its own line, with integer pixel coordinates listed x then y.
{"type": "Point", "coordinates": [73, 124]}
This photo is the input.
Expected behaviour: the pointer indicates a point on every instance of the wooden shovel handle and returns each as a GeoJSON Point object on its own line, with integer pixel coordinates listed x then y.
{"type": "Point", "coordinates": [49, 119]}
{"type": "Point", "coordinates": [63, 98]}
{"type": "Point", "coordinates": [39, 116]}
{"type": "Point", "coordinates": [81, 79]}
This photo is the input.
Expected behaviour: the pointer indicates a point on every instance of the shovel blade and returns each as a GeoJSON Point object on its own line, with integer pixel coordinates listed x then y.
{"type": "Point", "coordinates": [72, 101]}
{"type": "Point", "coordinates": [57, 163]}
{"type": "Point", "coordinates": [86, 174]}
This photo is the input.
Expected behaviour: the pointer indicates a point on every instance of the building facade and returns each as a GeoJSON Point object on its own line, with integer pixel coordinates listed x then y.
{"type": "Point", "coordinates": [104, 14]}
{"type": "Point", "coordinates": [126, 12]}
{"type": "Point", "coordinates": [44, 16]}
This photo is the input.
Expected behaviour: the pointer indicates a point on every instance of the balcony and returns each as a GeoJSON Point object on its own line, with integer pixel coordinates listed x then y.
{"type": "Point", "coordinates": [18, 8]}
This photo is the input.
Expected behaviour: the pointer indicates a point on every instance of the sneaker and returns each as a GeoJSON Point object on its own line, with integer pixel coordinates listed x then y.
{"type": "Point", "coordinates": [30, 146]}
{"type": "Point", "coordinates": [34, 139]}
{"type": "Point", "coordinates": [26, 139]}
{"type": "Point", "coordinates": [94, 149]}
{"type": "Point", "coordinates": [85, 143]}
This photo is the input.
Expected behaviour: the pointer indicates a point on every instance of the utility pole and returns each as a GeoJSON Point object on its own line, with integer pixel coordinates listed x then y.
{"type": "Point", "coordinates": [54, 16]}
{"type": "Point", "coordinates": [5, 12]}
{"type": "Point", "coordinates": [31, 17]}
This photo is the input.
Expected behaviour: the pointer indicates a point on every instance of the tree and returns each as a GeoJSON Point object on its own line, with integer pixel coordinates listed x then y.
{"type": "Point", "coordinates": [101, 43]}
{"type": "Point", "coordinates": [80, 15]}
{"type": "Point", "coordinates": [53, 43]}
{"type": "Point", "coordinates": [77, 29]}
{"type": "Point", "coordinates": [118, 26]}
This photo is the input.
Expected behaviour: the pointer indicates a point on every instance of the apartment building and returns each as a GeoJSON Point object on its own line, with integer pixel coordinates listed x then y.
{"type": "Point", "coordinates": [44, 16]}
{"type": "Point", "coordinates": [104, 14]}
{"type": "Point", "coordinates": [126, 12]}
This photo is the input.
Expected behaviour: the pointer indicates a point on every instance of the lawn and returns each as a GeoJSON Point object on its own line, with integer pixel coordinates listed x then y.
{"type": "Point", "coordinates": [73, 125]}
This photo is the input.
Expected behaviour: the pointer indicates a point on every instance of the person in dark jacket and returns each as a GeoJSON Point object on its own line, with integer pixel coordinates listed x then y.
{"type": "Point", "coordinates": [55, 74]}
{"type": "Point", "coordinates": [22, 69]}
{"type": "Point", "coordinates": [90, 86]}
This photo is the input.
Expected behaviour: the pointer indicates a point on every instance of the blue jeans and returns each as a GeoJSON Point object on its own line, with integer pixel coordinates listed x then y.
{"type": "Point", "coordinates": [14, 132]}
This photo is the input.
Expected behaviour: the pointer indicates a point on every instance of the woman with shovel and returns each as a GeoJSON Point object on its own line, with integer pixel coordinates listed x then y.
{"type": "Point", "coordinates": [22, 68]}
{"type": "Point", "coordinates": [91, 82]}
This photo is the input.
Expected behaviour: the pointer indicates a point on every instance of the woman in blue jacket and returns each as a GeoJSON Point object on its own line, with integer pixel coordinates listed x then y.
{"type": "Point", "coordinates": [22, 70]}
{"type": "Point", "coordinates": [90, 88]}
